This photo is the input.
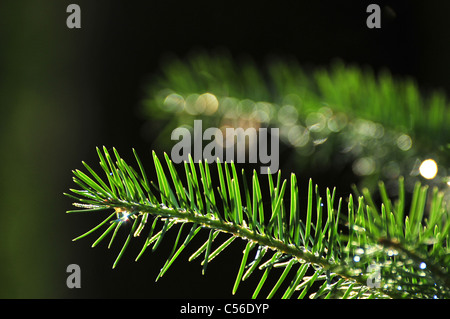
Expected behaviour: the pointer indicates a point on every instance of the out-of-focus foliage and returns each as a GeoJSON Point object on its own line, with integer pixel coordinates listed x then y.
{"type": "Point", "coordinates": [329, 119]}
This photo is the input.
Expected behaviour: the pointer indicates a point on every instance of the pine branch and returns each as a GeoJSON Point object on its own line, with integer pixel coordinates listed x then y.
{"type": "Point", "coordinates": [411, 253]}
{"type": "Point", "coordinates": [381, 126]}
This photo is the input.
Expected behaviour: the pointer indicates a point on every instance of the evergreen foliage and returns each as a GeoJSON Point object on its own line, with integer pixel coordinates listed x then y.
{"type": "Point", "coordinates": [389, 238]}
{"type": "Point", "coordinates": [354, 248]}
{"type": "Point", "coordinates": [329, 118]}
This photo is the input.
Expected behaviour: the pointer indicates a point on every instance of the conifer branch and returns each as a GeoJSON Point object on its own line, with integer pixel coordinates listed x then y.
{"type": "Point", "coordinates": [338, 256]}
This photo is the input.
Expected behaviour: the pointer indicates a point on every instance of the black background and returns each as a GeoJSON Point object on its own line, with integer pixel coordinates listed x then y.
{"type": "Point", "coordinates": [66, 91]}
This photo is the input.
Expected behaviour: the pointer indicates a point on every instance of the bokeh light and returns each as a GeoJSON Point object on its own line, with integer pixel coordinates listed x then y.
{"type": "Point", "coordinates": [428, 169]}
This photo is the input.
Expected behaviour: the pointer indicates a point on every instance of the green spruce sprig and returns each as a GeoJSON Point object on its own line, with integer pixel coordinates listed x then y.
{"type": "Point", "coordinates": [345, 248]}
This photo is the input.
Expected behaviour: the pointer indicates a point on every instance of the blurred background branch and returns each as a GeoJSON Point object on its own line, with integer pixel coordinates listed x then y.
{"type": "Point", "coordinates": [343, 121]}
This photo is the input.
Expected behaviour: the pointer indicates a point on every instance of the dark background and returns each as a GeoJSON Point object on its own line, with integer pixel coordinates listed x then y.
{"type": "Point", "coordinates": [63, 92]}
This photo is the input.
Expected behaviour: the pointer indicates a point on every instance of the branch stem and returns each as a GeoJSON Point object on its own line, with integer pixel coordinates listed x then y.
{"type": "Point", "coordinates": [300, 253]}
